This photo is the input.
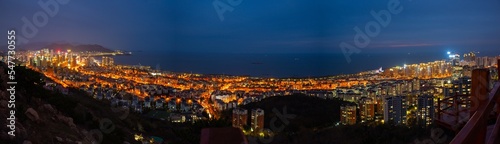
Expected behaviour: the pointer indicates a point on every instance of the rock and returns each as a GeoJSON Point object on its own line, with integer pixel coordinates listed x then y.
{"type": "Point", "coordinates": [59, 139]}
{"type": "Point", "coordinates": [70, 122]}
{"type": "Point", "coordinates": [4, 135]}
{"type": "Point", "coordinates": [84, 132]}
{"type": "Point", "coordinates": [61, 117]}
{"type": "Point", "coordinates": [3, 108]}
{"type": "Point", "coordinates": [37, 101]}
{"type": "Point", "coordinates": [75, 129]}
{"type": "Point", "coordinates": [66, 120]}
{"type": "Point", "coordinates": [3, 96]}
{"type": "Point", "coordinates": [32, 114]}
{"type": "Point", "coordinates": [69, 140]}
{"type": "Point", "coordinates": [27, 142]}
{"type": "Point", "coordinates": [47, 108]}
{"type": "Point", "coordinates": [21, 131]}
{"type": "Point", "coordinates": [3, 104]}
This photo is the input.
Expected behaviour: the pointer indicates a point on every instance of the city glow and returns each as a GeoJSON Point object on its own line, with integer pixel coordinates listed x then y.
{"type": "Point", "coordinates": [215, 94]}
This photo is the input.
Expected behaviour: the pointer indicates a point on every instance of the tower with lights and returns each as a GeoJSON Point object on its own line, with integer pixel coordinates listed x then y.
{"type": "Point", "coordinates": [455, 63]}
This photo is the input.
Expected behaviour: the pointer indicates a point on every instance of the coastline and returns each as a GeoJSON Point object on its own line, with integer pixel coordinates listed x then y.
{"type": "Point", "coordinates": [270, 65]}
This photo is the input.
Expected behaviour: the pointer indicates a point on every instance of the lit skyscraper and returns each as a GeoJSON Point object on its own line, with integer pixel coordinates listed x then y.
{"type": "Point", "coordinates": [257, 120]}
{"type": "Point", "coordinates": [107, 61]}
{"type": "Point", "coordinates": [395, 110]}
{"type": "Point", "coordinates": [367, 109]}
{"type": "Point", "coordinates": [425, 110]}
{"type": "Point", "coordinates": [348, 114]}
{"type": "Point", "coordinates": [455, 63]}
{"type": "Point", "coordinates": [240, 117]}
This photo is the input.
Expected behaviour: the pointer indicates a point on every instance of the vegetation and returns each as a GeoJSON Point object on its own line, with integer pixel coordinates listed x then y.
{"type": "Point", "coordinates": [32, 82]}
{"type": "Point", "coordinates": [191, 132]}
{"type": "Point", "coordinates": [315, 122]}
{"type": "Point", "coordinates": [311, 112]}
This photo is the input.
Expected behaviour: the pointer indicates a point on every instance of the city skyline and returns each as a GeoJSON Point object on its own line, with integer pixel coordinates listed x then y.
{"type": "Point", "coordinates": [409, 95]}
{"type": "Point", "coordinates": [246, 72]}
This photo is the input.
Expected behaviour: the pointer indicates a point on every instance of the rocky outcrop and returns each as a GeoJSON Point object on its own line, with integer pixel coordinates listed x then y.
{"type": "Point", "coordinates": [21, 131]}
{"type": "Point", "coordinates": [3, 96]}
{"type": "Point", "coordinates": [3, 104]}
{"type": "Point", "coordinates": [42, 116]}
{"type": "Point", "coordinates": [66, 120]}
{"type": "Point", "coordinates": [47, 108]}
{"type": "Point", "coordinates": [59, 139]}
{"type": "Point", "coordinates": [32, 114]}
{"type": "Point", "coordinates": [36, 120]}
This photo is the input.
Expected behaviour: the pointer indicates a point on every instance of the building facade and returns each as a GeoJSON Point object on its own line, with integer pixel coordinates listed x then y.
{"type": "Point", "coordinates": [257, 120]}
{"type": "Point", "coordinates": [425, 110]}
{"type": "Point", "coordinates": [240, 117]}
{"type": "Point", "coordinates": [348, 114]}
{"type": "Point", "coordinates": [395, 110]}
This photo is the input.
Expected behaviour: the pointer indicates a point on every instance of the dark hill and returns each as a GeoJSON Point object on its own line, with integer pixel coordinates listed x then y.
{"type": "Point", "coordinates": [64, 47]}
{"type": "Point", "coordinates": [78, 48]}
{"type": "Point", "coordinates": [46, 116]}
{"type": "Point", "coordinates": [315, 120]}
{"type": "Point", "coordinates": [311, 112]}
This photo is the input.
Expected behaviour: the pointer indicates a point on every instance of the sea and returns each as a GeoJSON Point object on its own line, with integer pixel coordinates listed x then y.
{"type": "Point", "coordinates": [276, 65]}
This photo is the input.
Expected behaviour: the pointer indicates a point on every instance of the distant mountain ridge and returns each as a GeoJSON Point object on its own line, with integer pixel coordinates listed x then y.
{"type": "Point", "coordinates": [64, 47]}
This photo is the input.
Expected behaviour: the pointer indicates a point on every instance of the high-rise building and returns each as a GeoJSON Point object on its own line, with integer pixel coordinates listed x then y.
{"type": "Point", "coordinates": [107, 61]}
{"type": "Point", "coordinates": [257, 120]}
{"type": "Point", "coordinates": [55, 60]}
{"type": "Point", "coordinates": [398, 88]}
{"type": "Point", "coordinates": [379, 105]}
{"type": "Point", "coordinates": [43, 61]}
{"type": "Point", "coordinates": [111, 62]}
{"type": "Point", "coordinates": [455, 63]}
{"type": "Point", "coordinates": [415, 85]}
{"type": "Point", "coordinates": [240, 117]}
{"type": "Point", "coordinates": [485, 62]}
{"type": "Point", "coordinates": [469, 57]}
{"type": "Point", "coordinates": [32, 61]}
{"type": "Point", "coordinates": [367, 109]}
{"type": "Point", "coordinates": [395, 110]}
{"type": "Point", "coordinates": [425, 110]}
{"type": "Point", "coordinates": [455, 59]}
{"type": "Point", "coordinates": [73, 61]}
{"type": "Point", "coordinates": [461, 86]}
{"type": "Point", "coordinates": [104, 61]}
{"type": "Point", "coordinates": [348, 114]}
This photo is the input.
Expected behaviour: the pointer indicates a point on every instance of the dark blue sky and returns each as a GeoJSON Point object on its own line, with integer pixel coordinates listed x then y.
{"type": "Point", "coordinates": [262, 26]}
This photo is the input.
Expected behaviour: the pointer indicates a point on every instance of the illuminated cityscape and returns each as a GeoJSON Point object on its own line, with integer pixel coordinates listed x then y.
{"type": "Point", "coordinates": [140, 87]}
{"type": "Point", "coordinates": [250, 72]}
{"type": "Point", "coordinates": [400, 95]}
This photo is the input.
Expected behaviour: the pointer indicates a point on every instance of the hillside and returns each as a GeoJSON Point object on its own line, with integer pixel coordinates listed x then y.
{"type": "Point", "coordinates": [311, 112]}
{"type": "Point", "coordinates": [36, 120]}
{"type": "Point", "coordinates": [314, 122]}
{"type": "Point", "coordinates": [44, 116]}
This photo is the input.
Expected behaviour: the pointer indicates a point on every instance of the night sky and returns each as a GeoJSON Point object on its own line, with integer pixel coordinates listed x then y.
{"type": "Point", "coordinates": [271, 26]}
